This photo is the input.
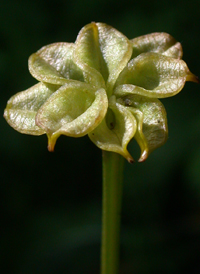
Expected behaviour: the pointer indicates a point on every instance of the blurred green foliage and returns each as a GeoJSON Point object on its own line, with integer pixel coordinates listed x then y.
{"type": "Point", "coordinates": [51, 202]}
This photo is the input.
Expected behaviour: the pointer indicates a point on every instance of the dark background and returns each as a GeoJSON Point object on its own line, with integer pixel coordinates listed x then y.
{"type": "Point", "coordinates": [50, 203]}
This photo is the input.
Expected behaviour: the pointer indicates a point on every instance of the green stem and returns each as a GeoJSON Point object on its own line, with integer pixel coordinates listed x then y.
{"type": "Point", "coordinates": [111, 211]}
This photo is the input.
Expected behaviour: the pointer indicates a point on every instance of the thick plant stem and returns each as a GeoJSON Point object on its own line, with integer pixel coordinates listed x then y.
{"type": "Point", "coordinates": [111, 211]}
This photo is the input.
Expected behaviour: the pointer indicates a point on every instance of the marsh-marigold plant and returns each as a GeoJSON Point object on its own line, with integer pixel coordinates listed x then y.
{"type": "Point", "coordinates": [103, 85]}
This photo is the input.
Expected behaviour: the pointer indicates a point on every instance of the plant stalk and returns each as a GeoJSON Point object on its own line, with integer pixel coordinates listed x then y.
{"type": "Point", "coordinates": [111, 211]}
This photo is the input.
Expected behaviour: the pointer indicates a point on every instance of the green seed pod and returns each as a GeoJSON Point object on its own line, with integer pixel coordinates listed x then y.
{"type": "Point", "coordinates": [103, 85]}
